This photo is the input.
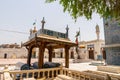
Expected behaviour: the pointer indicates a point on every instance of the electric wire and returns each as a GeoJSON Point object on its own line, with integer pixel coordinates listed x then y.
{"type": "Point", "coordinates": [14, 31]}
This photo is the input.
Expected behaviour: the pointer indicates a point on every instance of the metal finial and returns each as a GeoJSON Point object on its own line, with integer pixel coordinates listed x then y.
{"type": "Point", "coordinates": [43, 22]}
{"type": "Point", "coordinates": [67, 31]}
{"type": "Point", "coordinates": [67, 28]}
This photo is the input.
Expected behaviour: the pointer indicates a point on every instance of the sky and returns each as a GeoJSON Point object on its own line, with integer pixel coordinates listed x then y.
{"type": "Point", "coordinates": [19, 15]}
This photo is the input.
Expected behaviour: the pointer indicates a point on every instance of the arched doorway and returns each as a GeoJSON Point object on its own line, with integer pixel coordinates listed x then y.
{"type": "Point", "coordinates": [5, 55]}
{"type": "Point", "coordinates": [53, 54]}
{"type": "Point", "coordinates": [104, 54]}
{"type": "Point", "coordinates": [91, 53]}
{"type": "Point", "coordinates": [72, 55]}
{"type": "Point", "coordinates": [61, 55]}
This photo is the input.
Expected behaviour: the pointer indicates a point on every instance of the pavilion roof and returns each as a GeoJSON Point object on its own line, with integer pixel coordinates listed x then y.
{"type": "Point", "coordinates": [53, 41]}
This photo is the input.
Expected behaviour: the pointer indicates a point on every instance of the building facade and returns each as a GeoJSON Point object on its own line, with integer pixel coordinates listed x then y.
{"type": "Point", "coordinates": [12, 51]}
{"type": "Point", "coordinates": [93, 49]}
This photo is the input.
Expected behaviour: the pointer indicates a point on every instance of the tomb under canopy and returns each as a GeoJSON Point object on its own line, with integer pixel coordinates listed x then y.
{"type": "Point", "coordinates": [49, 39]}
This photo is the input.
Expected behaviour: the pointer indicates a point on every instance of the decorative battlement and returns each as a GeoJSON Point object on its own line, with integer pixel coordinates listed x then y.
{"type": "Point", "coordinates": [49, 33]}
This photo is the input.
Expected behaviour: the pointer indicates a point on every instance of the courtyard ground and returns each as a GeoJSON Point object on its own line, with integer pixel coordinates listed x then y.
{"type": "Point", "coordinates": [82, 65]}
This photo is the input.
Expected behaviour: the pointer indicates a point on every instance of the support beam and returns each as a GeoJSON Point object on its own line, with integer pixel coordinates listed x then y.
{"type": "Point", "coordinates": [66, 56]}
{"type": "Point", "coordinates": [41, 55]}
{"type": "Point", "coordinates": [50, 49]}
{"type": "Point", "coordinates": [29, 55]}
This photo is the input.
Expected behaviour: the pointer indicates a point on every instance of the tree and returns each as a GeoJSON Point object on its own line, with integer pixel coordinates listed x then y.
{"type": "Point", "coordinates": [86, 8]}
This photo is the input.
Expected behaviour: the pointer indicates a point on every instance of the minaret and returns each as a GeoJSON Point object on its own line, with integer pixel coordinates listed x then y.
{"type": "Point", "coordinates": [97, 32]}
{"type": "Point", "coordinates": [43, 22]}
{"type": "Point", "coordinates": [98, 48]}
{"type": "Point", "coordinates": [67, 31]}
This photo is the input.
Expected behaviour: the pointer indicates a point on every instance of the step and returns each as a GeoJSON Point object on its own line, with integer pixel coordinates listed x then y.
{"type": "Point", "coordinates": [64, 77]}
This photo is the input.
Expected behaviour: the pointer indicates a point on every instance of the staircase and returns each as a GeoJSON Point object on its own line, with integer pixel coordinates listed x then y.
{"type": "Point", "coordinates": [63, 77]}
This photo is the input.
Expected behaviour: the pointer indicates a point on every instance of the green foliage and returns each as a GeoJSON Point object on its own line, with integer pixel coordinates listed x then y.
{"type": "Point", "coordinates": [78, 8]}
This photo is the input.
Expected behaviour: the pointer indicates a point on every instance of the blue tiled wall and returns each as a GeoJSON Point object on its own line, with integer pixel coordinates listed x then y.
{"type": "Point", "coordinates": [112, 36]}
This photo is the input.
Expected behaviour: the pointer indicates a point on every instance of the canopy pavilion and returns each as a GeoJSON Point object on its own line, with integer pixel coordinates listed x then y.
{"type": "Point", "coordinates": [49, 39]}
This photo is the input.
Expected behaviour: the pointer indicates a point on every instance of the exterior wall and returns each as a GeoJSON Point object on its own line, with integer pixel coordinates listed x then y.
{"type": "Point", "coordinates": [59, 51]}
{"type": "Point", "coordinates": [112, 37]}
{"type": "Point", "coordinates": [83, 53]}
{"type": "Point", "coordinates": [22, 52]}
{"type": "Point", "coordinates": [36, 50]}
{"type": "Point", "coordinates": [13, 52]}
{"type": "Point", "coordinates": [56, 51]}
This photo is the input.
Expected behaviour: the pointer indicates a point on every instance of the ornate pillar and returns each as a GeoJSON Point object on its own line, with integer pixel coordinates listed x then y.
{"type": "Point", "coordinates": [50, 49]}
{"type": "Point", "coordinates": [41, 55]}
{"type": "Point", "coordinates": [67, 56]}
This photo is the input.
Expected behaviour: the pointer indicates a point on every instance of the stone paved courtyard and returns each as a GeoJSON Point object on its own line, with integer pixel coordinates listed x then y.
{"type": "Point", "coordinates": [74, 66]}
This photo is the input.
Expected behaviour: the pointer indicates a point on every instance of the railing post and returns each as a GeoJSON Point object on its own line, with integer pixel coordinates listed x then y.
{"type": "Point", "coordinates": [48, 74]}
{"type": "Point", "coordinates": [61, 69]}
{"type": "Point", "coordinates": [6, 74]}
{"type": "Point", "coordinates": [52, 74]}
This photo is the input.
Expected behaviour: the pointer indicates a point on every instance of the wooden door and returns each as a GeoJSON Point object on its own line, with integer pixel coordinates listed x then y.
{"type": "Point", "coordinates": [91, 54]}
